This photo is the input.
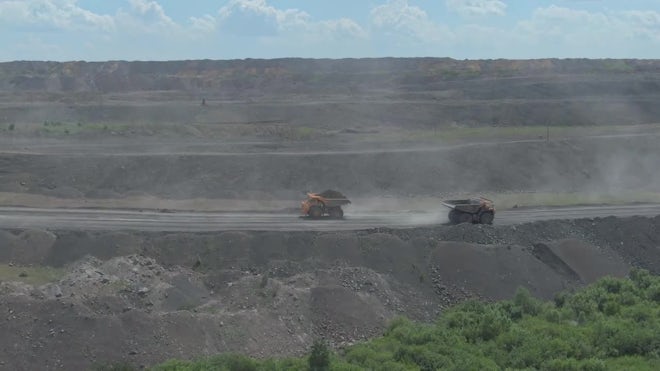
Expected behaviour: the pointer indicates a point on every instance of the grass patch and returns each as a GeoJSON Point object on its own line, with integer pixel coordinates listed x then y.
{"type": "Point", "coordinates": [617, 65]}
{"type": "Point", "coordinates": [120, 286]}
{"type": "Point", "coordinates": [292, 133]}
{"type": "Point", "coordinates": [30, 275]}
{"type": "Point", "coordinates": [60, 128]}
{"type": "Point", "coordinates": [120, 366]}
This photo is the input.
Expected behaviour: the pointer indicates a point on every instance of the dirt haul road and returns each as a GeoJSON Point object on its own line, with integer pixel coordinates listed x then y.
{"type": "Point", "coordinates": [104, 219]}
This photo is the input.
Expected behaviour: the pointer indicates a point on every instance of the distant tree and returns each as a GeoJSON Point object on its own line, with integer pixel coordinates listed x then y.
{"type": "Point", "coordinates": [319, 358]}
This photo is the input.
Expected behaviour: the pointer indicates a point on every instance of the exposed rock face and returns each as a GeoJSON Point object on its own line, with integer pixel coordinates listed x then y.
{"type": "Point", "coordinates": [290, 74]}
{"type": "Point", "coordinates": [419, 91]}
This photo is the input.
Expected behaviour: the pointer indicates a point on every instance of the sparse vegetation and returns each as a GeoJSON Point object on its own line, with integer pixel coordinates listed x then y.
{"type": "Point", "coordinates": [611, 325]}
{"type": "Point", "coordinates": [617, 65]}
{"type": "Point", "coordinates": [119, 286]}
{"type": "Point", "coordinates": [293, 133]}
{"type": "Point", "coordinates": [319, 358]}
{"type": "Point", "coordinates": [37, 275]}
{"type": "Point", "coordinates": [121, 366]}
{"type": "Point", "coordinates": [510, 131]}
{"type": "Point", "coordinates": [233, 362]}
{"type": "Point", "coordinates": [73, 128]}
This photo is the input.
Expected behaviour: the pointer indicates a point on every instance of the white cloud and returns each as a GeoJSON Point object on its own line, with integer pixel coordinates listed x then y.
{"type": "Point", "coordinates": [477, 7]}
{"type": "Point", "coordinates": [644, 23]}
{"type": "Point", "coordinates": [147, 16]}
{"type": "Point", "coordinates": [67, 15]}
{"type": "Point", "coordinates": [572, 25]}
{"type": "Point", "coordinates": [341, 29]}
{"type": "Point", "coordinates": [647, 18]}
{"type": "Point", "coordinates": [580, 33]}
{"type": "Point", "coordinates": [258, 18]}
{"type": "Point", "coordinates": [400, 17]}
{"type": "Point", "coordinates": [58, 14]}
{"type": "Point", "coordinates": [203, 24]}
{"type": "Point", "coordinates": [252, 16]}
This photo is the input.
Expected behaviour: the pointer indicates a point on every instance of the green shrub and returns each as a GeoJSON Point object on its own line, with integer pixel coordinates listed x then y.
{"type": "Point", "coordinates": [610, 325]}
{"type": "Point", "coordinates": [571, 364]}
{"type": "Point", "coordinates": [319, 357]}
{"type": "Point", "coordinates": [528, 305]}
{"type": "Point", "coordinates": [225, 362]}
{"type": "Point", "coordinates": [121, 366]}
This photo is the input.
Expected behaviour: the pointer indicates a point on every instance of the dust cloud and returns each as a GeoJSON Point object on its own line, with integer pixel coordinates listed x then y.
{"type": "Point", "coordinates": [368, 128]}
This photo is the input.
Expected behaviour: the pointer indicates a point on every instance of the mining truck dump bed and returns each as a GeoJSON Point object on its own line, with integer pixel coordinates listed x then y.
{"type": "Point", "coordinates": [472, 210]}
{"type": "Point", "coordinates": [326, 203]}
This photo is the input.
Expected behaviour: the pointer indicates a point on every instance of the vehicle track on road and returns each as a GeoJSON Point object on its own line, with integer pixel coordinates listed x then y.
{"type": "Point", "coordinates": [237, 149]}
{"type": "Point", "coordinates": [112, 219]}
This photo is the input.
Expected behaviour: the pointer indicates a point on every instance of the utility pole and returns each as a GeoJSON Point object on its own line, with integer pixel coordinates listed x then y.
{"type": "Point", "coordinates": [547, 133]}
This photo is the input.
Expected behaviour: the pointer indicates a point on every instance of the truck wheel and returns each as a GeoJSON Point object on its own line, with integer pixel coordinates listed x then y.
{"type": "Point", "coordinates": [453, 217]}
{"type": "Point", "coordinates": [465, 218]}
{"type": "Point", "coordinates": [336, 212]}
{"type": "Point", "coordinates": [486, 218]}
{"type": "Point", "coordinates": [315, 212]}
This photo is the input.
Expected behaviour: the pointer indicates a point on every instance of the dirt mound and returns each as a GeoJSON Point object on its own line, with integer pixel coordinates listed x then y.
{"type": "Point", "coordinates": [491, 272]}
{"type": "Point", "coordinates": [635, 239]}
{"type": "Point", "coordinates": [345, 314]}
{"type": "Point", "coordinates": [130, 308]}
{"type": "Point", "coordinates": [580, 259]}
{"type": "Point", "coordinates": [137, 281]}
{"type": "Point", "coordinates": [269, 293]}
{"type": "Point", "coordinates": [65, 334]}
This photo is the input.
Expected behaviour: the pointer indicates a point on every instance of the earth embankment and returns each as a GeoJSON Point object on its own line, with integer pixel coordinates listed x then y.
{"type": "Point", "coordinates": [598, 165]}
{"type": "Point", "coordinates": [145, 297]}
{"type": "Point", "coordinates": [419, 92]}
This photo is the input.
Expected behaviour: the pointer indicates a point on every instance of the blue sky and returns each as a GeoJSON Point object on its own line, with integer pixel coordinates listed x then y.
{"type": "Point", "coordinates": [96, 30]}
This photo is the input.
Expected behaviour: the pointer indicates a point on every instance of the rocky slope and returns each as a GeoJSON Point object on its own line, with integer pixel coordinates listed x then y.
{"type": "Point", "coordinates": [146, 297]}
{"type": "Point", "coordinates": [408, 92]}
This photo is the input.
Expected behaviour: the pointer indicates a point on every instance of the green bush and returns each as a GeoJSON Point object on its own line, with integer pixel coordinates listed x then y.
{"type": "Point", "coordinates": [226, 362]}
{"type": "Point", "coordinates": [572, 364]}
{"type": "Point", "coordinates": [121, 366]}
{"type": "Point", "coordinates": [319, 358]}
{"type": "Point", "coordinates": [610, 325]}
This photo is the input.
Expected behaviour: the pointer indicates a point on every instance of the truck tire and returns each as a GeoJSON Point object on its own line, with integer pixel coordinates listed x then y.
{"type": "Point", "coordinates": [453, 216]}
{"type": "Point", "coordinates": [315, 212]}
{"type": "Point", "coordinates": [486, 218]}
{"type": "Point", "coordinates": [336, 212]}
{"type": "Point", "coordinates": [465, 217]}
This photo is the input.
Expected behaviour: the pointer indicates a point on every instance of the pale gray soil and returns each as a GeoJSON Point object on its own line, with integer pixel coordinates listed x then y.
{"type": "Point", "coordinates": [596, 165]}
